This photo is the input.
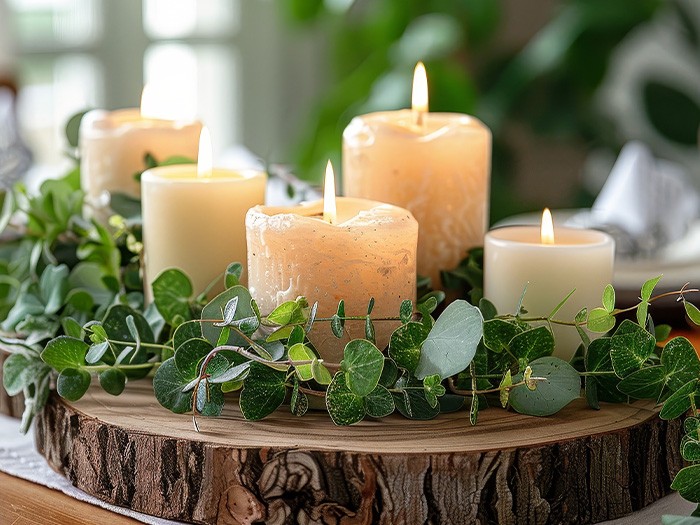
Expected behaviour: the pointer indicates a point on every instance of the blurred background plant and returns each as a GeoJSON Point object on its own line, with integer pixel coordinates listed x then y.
{"type": "Point", "coordinates": [563, 84]}
{"type": "Point", "coordinates": [540, 97]}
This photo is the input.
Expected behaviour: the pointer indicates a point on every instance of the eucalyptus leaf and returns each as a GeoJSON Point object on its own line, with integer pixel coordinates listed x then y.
{"type": "Point", "coordinates": [609, 298]}
{"type": "Point", "coordinates": [263, 392]}
{"type": "Point", "coordinates": [532, 344]}
{"type": "Point", "coordinates": [687, 483]}
{"type": "Point", "coordinates": [290, 312]}
{"type": "Point", "coordinates": [13, 377]}
{"type": "Point", "coordinates": [498, 334]}
{"type": "Point", "coordinates": [215, 310]}
{"type": "Point", "coordinates": [680, 361]}
{"type": "Point", "coordinates": [112, 381]}
{"type": "Point", "coordinates": [168, 385]}
{"type": "Point", "coordinates": [299, 402]}
{"type": "Point", "coordinates": [320, 373]}
{"type": "Point", "coordinates": [406, 310]}
{"type": "Point", "coordinates": [233, 274]}
{"type": "Point", "coordinates": [301, 352]}
{"type": "Point", "coordinates": [411, 402]}
{"type": "Point", "coordinates": [600, 321]}
{"type": "Point", "coordinates": [232, 373]}
{"type": "Point", "coordinates": [379, 402]}
{"type": "Point", "coordinates": [405, 345]}
{"type": "Point", "coordinates": [65, 352]}
{"type": "Point", "coordinates": [369, 330]}
{"type": "Point", "coordinates": [172, 293]}
{"type": "Point", "coordinates": [562, 385]}
{"type": "Point", "coordinates": [646, 383]}
{"type": "Point", "coordinates": [648, 287]}
{"type": "Point", "coordinates": [598, 361]}
{"type": "Point", "coordinates": [96, 352]}
{"type": "Point", "coordinates": [343, 405]}
{"type": "Point", "coordinates": [189, 355]}
{"type": "Point", "coordinates": [680, 401]}
{"type": "Point", "coordinates": [362, 364]}
{"type": "Point", "coordinates": [229, 313]}
{"type": "Point", "coordinates": [692, 312]}
{"type": "Point", "coordinates": [72, 383]}
{"type": "Point", "coordinates": [630, 347]}
{"type": "Point", "coordinates": [451, 343]}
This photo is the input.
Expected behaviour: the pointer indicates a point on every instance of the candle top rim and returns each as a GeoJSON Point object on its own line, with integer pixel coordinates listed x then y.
{"type": "Point", "coordinates": [105, 120]}
{"type": "Point", "coordinates": [187, 174]}
{"type": "Point", "coordinates": [564, 237]}
{"type": "Point", "coordinates": [434, 121]}
{"type": "Point", "coordinates": [367, 211]}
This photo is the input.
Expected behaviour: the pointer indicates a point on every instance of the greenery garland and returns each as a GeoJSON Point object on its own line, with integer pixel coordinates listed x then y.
{"type": "Point", "coordinates": [72, 307]}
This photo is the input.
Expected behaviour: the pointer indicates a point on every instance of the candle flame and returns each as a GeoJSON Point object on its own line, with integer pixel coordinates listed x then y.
{"type": "Point", "coordinates": [329, 209]}
{"type": "Point", "coordinates": [547, 229]}
{"type": "Point", "coordinates": [204, 157]}
{"type": "Point", "coordinates": [155, 105]}
{"type": "Point", "coordinates": [419, 98]}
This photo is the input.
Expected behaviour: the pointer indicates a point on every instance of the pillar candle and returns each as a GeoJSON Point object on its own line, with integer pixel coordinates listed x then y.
{"type": "Point", "coordinates": [369, 251]}
{"type": "Point", "coordinates": [113, 145]}
{"type": "Point", "coordinates": [516, 256]}
{"type": "Point", "coordinates": [436, 165]}
{"type": "Point", "coordinates": [194, 220]}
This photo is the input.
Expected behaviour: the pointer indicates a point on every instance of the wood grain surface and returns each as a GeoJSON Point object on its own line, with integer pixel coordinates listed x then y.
{"type": "Point", "coordinates": [580, 466]}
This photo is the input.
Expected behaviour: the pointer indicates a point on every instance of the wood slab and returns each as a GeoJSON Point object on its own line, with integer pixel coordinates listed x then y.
{"type": "Point", "coordinates": [580, 466]}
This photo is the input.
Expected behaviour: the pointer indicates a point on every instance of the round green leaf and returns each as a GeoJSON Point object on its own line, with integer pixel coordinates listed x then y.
{"type": "Point", "coordinates": [172, 290]}
{"type": "Point", "coordinates": [344, 407]}
{"type": "Point", "coordinates": [112, 381]}
{"type": "Point", "coordinates": [65, 352]}
{"type": "Point", "coordinates": [562, 386]}
{"type": "Point", "coordinates": [168, 384]}
{"type": "Point", "coordinates": [72, 383]}
{"type": "Point", "coordinates": [362, 364]}
{"type": "Point", "coordinates": [379, 402]}
{"type": "Point", "coordinates": [600, 320]}
{"type": "Point", "coordinates": [189, 355]}
{"type": "Point", "coordinates": [451, 343]}
{"type": "Point", "coordinates": [263, 392]}
{"type": "Point", "coordinates": [405, 345]}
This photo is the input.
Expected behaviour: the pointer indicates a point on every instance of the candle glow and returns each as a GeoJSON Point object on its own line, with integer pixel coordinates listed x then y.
{"type": "Point", "coordinates": [547, 228]}
{"type": "Point", "coordinates": [329, 207]}
{"type": "Point", "coordinates": [205, 163]}
{"type": "Point", "coordinates": [419, 97]}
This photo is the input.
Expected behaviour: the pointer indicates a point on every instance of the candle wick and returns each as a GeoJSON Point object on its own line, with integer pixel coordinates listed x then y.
{"type": "Point", "coordinates": [418, 119]}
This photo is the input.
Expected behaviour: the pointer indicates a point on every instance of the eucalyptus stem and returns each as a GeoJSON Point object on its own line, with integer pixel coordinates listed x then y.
{"type": "Point", "coordinates": [475, 392]}
{"type": "Point", "coordinates": [288, 362]}
{"type": "Point", "coordinates": [139, 366]}
{"type": "Point", "coordinates": [145, 345]}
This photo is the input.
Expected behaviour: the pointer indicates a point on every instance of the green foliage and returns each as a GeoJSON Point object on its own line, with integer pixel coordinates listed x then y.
{"type": "Point", "coordinates": [561, 385]}
{"type": "Point", "coordinates": [362, 364]}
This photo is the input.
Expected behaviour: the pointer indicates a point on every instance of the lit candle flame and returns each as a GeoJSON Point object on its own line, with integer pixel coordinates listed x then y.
{"type": "Point", "coordinates": [204, 157]}
{"type": "Point", "coordinates": [419, 98]}
{"type": "Point", "coordinates": [547, 230]}
{"type": "Point", "coordinates": [154, 105]}
{"type": "Point", "coordinates": [329, 209]}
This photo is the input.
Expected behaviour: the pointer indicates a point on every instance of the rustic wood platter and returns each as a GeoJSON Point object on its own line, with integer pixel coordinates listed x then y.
{"type": "Point", "coordinates": [580, 466]}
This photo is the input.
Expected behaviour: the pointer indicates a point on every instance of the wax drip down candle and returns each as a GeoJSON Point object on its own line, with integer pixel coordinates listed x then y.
{"type": "Point", "coordinates": [436, 165]}
{"type": "Point", "coordinates": [332, 249]}
{"type": "Point", "coordinates": [548, 264]}
{"type": "Point", "coordinates": [194, 218]}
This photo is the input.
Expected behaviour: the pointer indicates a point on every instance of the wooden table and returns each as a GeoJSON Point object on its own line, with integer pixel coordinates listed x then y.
{"type": "Point", "coordinates": [23, 502]}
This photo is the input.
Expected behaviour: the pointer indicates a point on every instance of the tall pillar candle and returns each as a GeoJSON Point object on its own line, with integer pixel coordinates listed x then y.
{"type": "Point", "coordinates": [113, 145]}
{"type": "Point", "coordinates": [516, 257]}
{"type": "Point", "coordinates": [436, 165]}
{"type": "Point", "coordinates": [370, 251]}
{"type": "Point", "coordinates": [194, 220]}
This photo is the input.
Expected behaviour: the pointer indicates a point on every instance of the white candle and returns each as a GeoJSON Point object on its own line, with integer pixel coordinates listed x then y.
{"type": "Point", "coordinates": [551, 263]}
{"type": "Point", "coordinates": [436, 165]}
{"type": "Point", "coordinates": [353, 251]}
{"type": "Point", "coordinates": [194, 218]}
{"type": "Point", "coordinates": [113, 145]}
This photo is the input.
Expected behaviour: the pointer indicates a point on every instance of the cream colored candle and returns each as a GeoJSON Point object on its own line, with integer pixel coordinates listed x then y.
{"type": "Point", "coordinates": [436, 165]}
{"type": "Point", "coordinates": [551, 267]}
{"type": "Point", "coordinates": [113, 145]}
{"type": "Point", "coordinates": [369, 250]}
{"type": "Point", "coordinates": [194, 220]}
